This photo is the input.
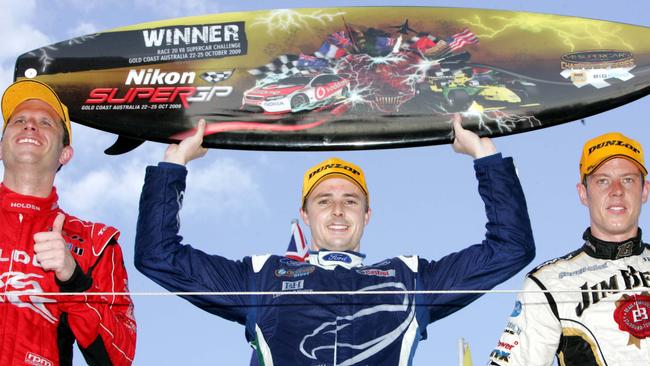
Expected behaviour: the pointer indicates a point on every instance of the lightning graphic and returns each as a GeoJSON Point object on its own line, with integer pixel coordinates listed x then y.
{"type": "Point", "coordinates": [360, 95]}
{"type": "Point", "coordinates": [286, 19]}
{"type": "Point", "coordinates": [504, 122]}
{"type": "Point", "coordinates": [81, 39]}
{"type": "Point", "coordinates": [570, 31]}
{"type": "Point", "coordinates": [420, 69]}
{"type": "Point", "coordinates": [45, 59]}
{"type": "Point", "coordinates": [391, 58]}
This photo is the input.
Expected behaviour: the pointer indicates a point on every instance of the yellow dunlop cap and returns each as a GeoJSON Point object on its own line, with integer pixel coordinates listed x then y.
{"type": "Point", "coordinates": [608, 146]}
{"type": "Point", "coordinates": [27, 89]}
{"type": "Point", "coordinates": [331, 168]}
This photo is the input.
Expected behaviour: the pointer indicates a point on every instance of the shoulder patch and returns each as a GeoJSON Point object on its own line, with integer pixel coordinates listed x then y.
{"type": "Point", "coordinates": [554, 260]}
{"type": "Point", "coordinates": [93, 237]}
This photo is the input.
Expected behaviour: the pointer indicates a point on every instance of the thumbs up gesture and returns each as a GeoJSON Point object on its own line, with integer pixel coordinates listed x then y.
{"type": "Point", "coordinates": [51, 251]}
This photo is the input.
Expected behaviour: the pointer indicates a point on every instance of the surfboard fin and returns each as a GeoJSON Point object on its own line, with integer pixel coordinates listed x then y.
{"type": "Point", "coordinates": [123, 145]}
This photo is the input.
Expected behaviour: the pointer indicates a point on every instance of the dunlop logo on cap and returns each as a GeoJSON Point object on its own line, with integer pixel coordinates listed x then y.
{"type": "Point", "coordinates": [330, 168]}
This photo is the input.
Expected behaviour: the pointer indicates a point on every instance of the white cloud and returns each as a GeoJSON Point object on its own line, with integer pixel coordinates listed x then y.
{"type": "Point", "coordinates": [179, 8]}
{"type": "Point", "coordinates": [6, 76]}
{"type": "Point", "coordinates": [99, 191]}
{"type": "Point", "coordinates": [83, 6]}
{"type": "Point", "coordinates": [96, 186]}
{"type": "Point", "coordinates": [226, 186]}
{"type": "Point", "coordinates": [18, 33]}
{"type": "Point", "coordinates": [82, 29]}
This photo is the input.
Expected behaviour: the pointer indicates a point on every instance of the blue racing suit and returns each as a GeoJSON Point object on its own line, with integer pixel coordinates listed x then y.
{"type": "Point", "coordinates": [334, 329]}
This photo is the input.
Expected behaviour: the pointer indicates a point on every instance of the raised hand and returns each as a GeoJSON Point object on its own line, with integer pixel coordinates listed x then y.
{"type": "Point", "coordinates": [51, 251]}
{"type": "Point", "coordinates": [467, 142]}
{"type": "Point", "coordinates": [188, 149]}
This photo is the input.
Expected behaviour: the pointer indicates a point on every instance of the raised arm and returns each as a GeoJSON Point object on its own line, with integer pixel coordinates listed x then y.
{"type": "Point", "coordinates": [159, 253]}
{"type": "Point", "coordinates": [508, 245]}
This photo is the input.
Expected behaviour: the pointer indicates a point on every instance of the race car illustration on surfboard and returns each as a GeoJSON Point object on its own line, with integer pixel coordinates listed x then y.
{"type": "Point", "coordinates": [343, 78]}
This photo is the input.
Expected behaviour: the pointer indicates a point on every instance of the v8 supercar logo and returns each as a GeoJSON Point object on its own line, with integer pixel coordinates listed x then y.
{"type": "Point", "coordinates": [21, 285]}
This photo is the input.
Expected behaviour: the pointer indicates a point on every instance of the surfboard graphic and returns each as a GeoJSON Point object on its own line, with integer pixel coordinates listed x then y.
{"type": "Point", "coordinates": [343, 78]}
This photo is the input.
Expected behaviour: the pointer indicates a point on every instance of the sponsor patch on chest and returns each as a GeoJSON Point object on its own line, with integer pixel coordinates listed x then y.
{"type": "Point", "coordinates": [36, 360]}
{"type": "Point", "coordinates": [293, 285]}
{"type": "Point", "coordinates": [377, 272]}
{"type": "Point", "coordinates": [294, 272]}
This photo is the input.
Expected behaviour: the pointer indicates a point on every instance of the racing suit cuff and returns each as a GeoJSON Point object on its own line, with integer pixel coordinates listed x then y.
{"type": "Point", "coordinates": [489, 160]}
{"type": "Point", "coordinates": [168, 165]}
{"type": "Point", "coordinates": [78, 282]}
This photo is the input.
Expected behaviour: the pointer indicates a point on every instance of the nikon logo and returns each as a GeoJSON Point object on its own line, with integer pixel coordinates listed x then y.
{"type": "Point", "coordinates": [614, 143]}
{"type": "Point", "coordinates": [333, 166]}
{"type": "Point", "coordinates": [156, 77]}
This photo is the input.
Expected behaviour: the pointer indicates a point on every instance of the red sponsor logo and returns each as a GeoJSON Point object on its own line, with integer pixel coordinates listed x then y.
{"type": "Point", "coordinates": [377, 272]}
{"type": "Point", "coordinates": [632, 315]}
{"type": "Point", "coordinates": [36, 360]}
{"type": "Point", "coordinates": [162, 94]}
{"type": "Point", "coordinates": [323, 92]}
{"type": "Point", "coordinates": [507, 346]}
{"type": "Point", "coordinates": [270, 92]}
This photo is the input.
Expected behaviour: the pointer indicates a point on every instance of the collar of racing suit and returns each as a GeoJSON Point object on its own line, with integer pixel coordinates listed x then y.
{"type": "Point", "coordinates": [27, 205]}
{"type": "Point", "coordinates": [612, 250]}
{"type": "Point", "coordinates": [328, 259]}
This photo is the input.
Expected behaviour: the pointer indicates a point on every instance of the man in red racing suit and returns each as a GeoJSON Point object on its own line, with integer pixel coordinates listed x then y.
{"type": "Point", "coordinates": [43, 250]}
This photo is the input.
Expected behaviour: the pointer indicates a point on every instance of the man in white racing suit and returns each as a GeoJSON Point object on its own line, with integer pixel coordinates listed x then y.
{"type": "Point", "coordinates": [592, 306]}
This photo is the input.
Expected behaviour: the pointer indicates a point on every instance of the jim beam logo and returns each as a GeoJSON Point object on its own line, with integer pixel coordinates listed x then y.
{"type": "Point", "coordinates": [595, 67]}
{"type": "Point", "coordinates": [632, 313]}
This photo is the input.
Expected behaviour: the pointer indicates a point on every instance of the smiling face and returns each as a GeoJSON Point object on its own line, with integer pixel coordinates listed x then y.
{"type": "Point", "coordinates": [614, 195]}
{"type": "Point", "coordinates": [33, 137]}
{"type": "Point", "coordinates": [336, 212]}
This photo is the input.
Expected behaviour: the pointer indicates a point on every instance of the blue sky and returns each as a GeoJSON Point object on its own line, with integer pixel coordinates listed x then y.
{"type": "Point", "coordinates": [241, 202]}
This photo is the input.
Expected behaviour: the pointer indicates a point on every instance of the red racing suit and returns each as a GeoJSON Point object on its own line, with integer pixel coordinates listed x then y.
{"type": "Point", "coordinates": [39, 330]}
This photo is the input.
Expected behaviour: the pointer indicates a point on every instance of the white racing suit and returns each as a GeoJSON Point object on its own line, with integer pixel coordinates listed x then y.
{"type": "Point", "coordinates": [605, 325]}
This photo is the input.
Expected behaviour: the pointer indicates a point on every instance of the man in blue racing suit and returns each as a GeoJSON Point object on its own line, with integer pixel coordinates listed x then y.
{"type": "Point", "coordinates": [334, 329]}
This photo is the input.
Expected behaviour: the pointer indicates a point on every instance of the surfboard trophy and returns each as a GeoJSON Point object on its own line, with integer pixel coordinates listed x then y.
{"type": "Point", "coordinates": [343, 78]}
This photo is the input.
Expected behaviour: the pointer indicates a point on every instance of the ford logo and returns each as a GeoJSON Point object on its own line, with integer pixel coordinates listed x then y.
{"type": "Point", "coordinates": [338, 257]}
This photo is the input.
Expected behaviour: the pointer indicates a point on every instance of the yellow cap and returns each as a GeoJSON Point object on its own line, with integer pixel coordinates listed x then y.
{"type": "Point", "coordinates": [27, 89]}
{"type": "Point", "coordinates": [608, 146]}
{"type": "Point", "coordinates": [331, 168]}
